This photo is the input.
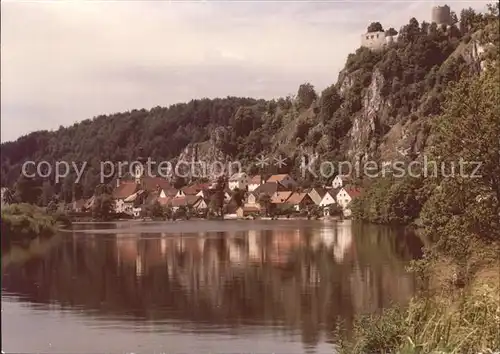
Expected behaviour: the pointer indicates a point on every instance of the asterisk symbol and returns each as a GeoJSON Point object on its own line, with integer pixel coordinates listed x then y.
{"type": "Point", "coordinates": [404, 152]}
{"type": "Point", "coordinates": [280, 161]}
{"type": "Point", "coordinates": [262, 161]}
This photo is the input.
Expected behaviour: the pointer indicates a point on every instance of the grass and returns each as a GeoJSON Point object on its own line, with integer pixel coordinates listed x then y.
{"type": "Point", "coordinates": [445, 318]}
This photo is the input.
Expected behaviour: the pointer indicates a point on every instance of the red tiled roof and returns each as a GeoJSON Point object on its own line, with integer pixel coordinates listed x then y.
{"type": "Point", "coordinates": [280, 197]}
{"type": "Point", "coordinates": [277, 178]}
{"type": "Point", "coordinates": [269, 188]}
{"type": "Point", "coordinates": [171, 192]}
{"type": "Point", "coordinates": [353, 192]}
{"type": "Point", "coordinates": [185, 201]}
{"type": "Point", "coordinates": [195, 188]}
{"type": "Point", "coordinates": [153, 183]}
{"type": "Point", "coordinates": [164, 201]}
{"type": "Point", "coordinates": [296, 198]}
{"type": "Point", "coordinates": [125, 190]}
{"type": "Point", "coordinates": [255, 179]}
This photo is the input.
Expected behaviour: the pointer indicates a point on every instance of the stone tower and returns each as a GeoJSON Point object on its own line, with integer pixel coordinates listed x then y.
{"type": "Point", "coordinates": [441, 15]}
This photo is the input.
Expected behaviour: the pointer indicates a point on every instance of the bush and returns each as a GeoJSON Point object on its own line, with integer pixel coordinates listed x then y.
{"type": "Point", "coordinates": [24, 222]}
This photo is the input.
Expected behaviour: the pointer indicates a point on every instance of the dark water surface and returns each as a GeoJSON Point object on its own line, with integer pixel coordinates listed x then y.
{"type": "Point", "coordinates": [200, 286]}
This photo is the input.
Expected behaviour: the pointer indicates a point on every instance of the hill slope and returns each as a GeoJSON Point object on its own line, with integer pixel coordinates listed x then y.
{"type": "Point", "coordinates": [381, 104]}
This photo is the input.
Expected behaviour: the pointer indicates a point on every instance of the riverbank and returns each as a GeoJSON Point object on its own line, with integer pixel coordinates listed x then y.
{"type": "Point", "coordinates": [22, 223]}
{"type": "Point", "coordinates": [453, 312]}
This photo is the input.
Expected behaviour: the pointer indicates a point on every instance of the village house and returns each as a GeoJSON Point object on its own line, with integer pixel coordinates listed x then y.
{"type": "Point", "coordinates": [239, 180]}
{"type": "Point", "coordinates": [285, 179]}
{"type": "Point", "coordinates": [345, 196]}
{"type": "Point", "coordinates": [339, 181]}
{"type": "Point", "coordinates": [316, 194]}
{"type": "Point", "coordinates": [194, 189]}
{"type": "Point", "coordinates": [254, 183]}
{"type": "Point", "coordinates": [132, 203]}
{"type": "Point", "coordinates": [280, 197]}
{"type": "Point", "coordinates": [244, 211]}
{"type": "Point", "coordinates": [124, 190]}
{"type": "Point", "coordinates": [252, 199]}
{"type": "Point", "coordinates": [200, 204]}
{"type": "Point", "coordinates": [299, 200]}
{"type": "Point", "coordinates": [188, 201]}
{"type": "Point", "coordinates": [329, 198]}
{"type": "Point", "coordinates": [205, 194]}
{"type": "Point", "coordinates": [269, 188]}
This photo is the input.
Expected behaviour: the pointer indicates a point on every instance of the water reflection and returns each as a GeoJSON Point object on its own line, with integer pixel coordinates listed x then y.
{"type": "Point", "coordinates": [292, 280]}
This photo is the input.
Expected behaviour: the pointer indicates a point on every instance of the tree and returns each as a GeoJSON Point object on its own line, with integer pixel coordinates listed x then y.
{"type": "Point", "coordinates": [47, 193]}
{"type": "Point", "coordinates": [28, 190]}
{"type": "Point", "coordinates": [463, 210]}
{"type": "Point", "coordinates": [238, 196]}
{"type": "Point", "coordinates": [104, 204]}
{"type": "Point", "coordinates": [306, 95]}
{"type": "Point", "coordinates": [103, 189]}
{"type": "Point", "coordinates": [179, 182]}
{"type": "Point", "coordinates": [8, 196]}
{"type": "Point", "coordinates": [469, 20]}
{"type": "Point", "coordinates": [217, 200]}
{"type": "Point", "coordinates": [103, 208]}
{"type": "Point", "coordinates": [265, 201]}
{"type": "Point", "coordinates": [52, 206]}
{"type": "Point", "coordinates": [329, 103]}
{"type": "Point", "coordinates": [335, 209]}
{"type": "Point", "coordinates": [155, 210]}
{"type": "Point", "coordinates": [375, 27]}
{"type": "Point", "coordinates": [391, 32]}
{"type": "Point", "coordinates": [409, 32]}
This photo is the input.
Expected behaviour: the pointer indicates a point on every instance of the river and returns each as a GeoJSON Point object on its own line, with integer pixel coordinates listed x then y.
{"type": "Point", "coordinates": [201, 286]}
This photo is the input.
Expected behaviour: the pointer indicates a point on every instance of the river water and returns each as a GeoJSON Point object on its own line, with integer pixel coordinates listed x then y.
{"type": "Point", "coordinates": [200, 286]}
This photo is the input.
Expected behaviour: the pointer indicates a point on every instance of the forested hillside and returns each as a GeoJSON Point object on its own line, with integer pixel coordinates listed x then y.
{"type": "Point", "coordinates": [382, 102]}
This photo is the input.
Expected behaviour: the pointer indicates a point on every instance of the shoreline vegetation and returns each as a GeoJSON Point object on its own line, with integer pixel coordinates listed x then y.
{"type": "Point", "coordinates": [457, 306]}
{"type": "Point", "coordinates": [22, 223]}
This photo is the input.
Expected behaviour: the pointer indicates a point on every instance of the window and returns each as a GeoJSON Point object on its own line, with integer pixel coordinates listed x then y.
{"type": "Point", "coordinates": [377, 35]}
{"type": "Point", "coordinates": [371, 36]}
{"type": "Point", "coordinates": [367, 37]}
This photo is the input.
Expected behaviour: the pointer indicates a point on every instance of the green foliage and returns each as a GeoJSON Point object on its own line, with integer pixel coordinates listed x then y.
{"type": "Point", "coordinates": [335, 209]}
{"type": "Point", "coordinates": [306, 95]}
{"type": "Point", "coordinates": [457, 311]}
{"type": "Point", "coordinates": [155, 211]}
{"type": "Point", "coordinates": [391, 200]}
{"type": "Point", "coordinates": [375, 27]}
{"type": "Point", "coordinates": [265, 202]}
{"type": "Point", "coordinates": [391, 32]}
{"type": "Point", "coordinates": [28, 190]}
{"type": "Point", "coordinates": [463, 208]}
{"type": "Point", "coordinates": [8, 196]}
{"type": "Point", "coordinates": [413, 72]}
{"type": "Point", "coordinates": [238, 196]}
{"type": "Point", "coordinates": [24, 222]}
{"type": "Point", "coordinates": [329, 103]}
{"type": "Point", "coordinates": [440, 324]}
{"type": "Point", "coordinates": [103, 207]}
{"type": "Point", "coordinates": [217, 199]}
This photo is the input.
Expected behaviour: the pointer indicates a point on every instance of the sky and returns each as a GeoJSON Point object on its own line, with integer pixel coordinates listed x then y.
{"type": "Point", "coordinates": [64, 61]}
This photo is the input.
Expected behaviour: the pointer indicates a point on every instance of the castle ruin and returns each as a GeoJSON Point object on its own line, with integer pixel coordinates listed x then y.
{"type": "Point", "coordinates": [441, 15]}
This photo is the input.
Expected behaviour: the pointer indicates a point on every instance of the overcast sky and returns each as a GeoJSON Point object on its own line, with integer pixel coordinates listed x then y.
{"type": "Point", "coordinates": [65, 61]}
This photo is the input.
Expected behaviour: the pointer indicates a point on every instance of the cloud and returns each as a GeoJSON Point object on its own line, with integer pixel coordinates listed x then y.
{"type": "Point", "coordinates": [67, 61]}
